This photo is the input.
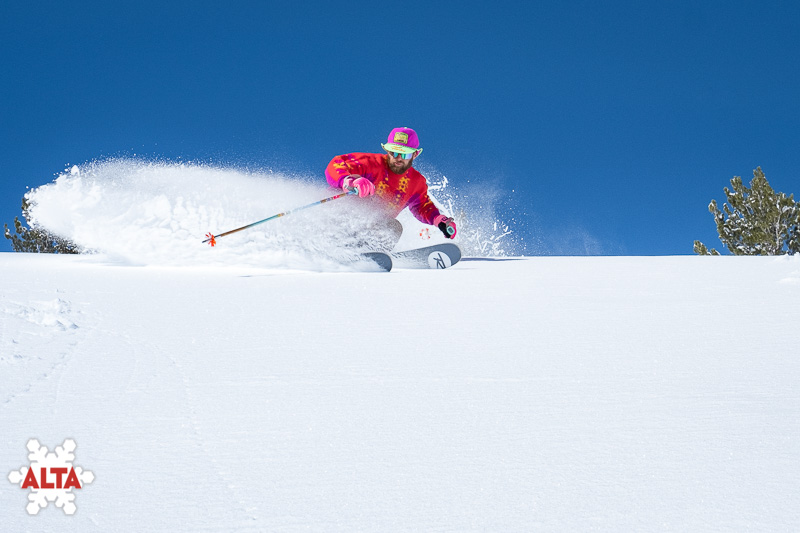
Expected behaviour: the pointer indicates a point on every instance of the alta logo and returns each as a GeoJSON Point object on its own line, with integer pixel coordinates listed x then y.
{"type": "Point", "coordinates": [51, 477]}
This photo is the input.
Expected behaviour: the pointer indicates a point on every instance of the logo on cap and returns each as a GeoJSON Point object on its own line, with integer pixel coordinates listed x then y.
{"type": "Point", "coordinates": [400, 138]}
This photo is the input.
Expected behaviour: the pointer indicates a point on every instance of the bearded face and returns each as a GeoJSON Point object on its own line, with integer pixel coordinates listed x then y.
{"type": "Point", "coordinates": [398, 165]}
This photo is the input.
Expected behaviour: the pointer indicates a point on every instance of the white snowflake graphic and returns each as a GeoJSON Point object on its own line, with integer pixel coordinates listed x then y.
{"type": "Point", "coordinates": [51, 477]}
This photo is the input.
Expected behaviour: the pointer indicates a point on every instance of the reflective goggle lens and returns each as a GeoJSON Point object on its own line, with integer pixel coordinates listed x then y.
{"type": "Point", "coordinates": [398, 155]}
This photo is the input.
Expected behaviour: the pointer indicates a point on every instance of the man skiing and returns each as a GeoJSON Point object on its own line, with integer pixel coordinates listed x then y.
{"type": "Point", "coordinates": [390, 180]}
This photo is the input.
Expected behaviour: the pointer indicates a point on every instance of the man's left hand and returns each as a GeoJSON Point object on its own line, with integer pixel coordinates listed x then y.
{"type": "Point", "coordinates": [447, 225]}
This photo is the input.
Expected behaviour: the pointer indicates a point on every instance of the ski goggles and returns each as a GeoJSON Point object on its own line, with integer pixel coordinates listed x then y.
{"type": "Point", "coordinates": [400, 155]}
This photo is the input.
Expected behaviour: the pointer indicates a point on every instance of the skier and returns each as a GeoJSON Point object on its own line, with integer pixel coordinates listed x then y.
{"type": "Point", "coordinates": [390, 179]}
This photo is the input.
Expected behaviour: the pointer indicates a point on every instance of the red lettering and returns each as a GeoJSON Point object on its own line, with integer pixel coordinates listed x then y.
{"type": "Point", "coordinates": [72, 480]}
{"type": "Point", "coordinates": [30, 480]}
{"type": "Point", "coordinates": [45, 484]}
{"type": "Point", "coordinates": [58, 472]}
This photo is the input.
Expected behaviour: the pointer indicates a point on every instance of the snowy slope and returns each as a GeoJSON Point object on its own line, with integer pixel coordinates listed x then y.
{"type": "Point", "coordinates": [539, 394]}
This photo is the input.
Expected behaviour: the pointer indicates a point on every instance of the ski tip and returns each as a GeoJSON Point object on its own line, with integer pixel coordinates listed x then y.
{"type": "Point", "coordinates": [381, 260]}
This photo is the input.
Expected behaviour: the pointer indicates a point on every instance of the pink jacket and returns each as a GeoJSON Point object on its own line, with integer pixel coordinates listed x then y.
{"type": "Point", "coordinates": [397, 191]}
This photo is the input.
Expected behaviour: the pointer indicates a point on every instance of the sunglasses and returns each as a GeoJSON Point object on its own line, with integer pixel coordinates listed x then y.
{"type": "Point", "coordinates": [400, 155]}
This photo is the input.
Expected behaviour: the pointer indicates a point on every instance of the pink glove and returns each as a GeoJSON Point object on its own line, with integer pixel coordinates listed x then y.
{"type": "Point", "coordinates": [447, 225]}
{"type": "Point", "coordinates": [360, 183]}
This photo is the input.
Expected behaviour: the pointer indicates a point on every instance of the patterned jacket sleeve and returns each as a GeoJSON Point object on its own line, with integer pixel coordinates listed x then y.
{"type": "Point", "coordinates": [339, 168]}
{"type": "Point", "coordinates": [421, 205]}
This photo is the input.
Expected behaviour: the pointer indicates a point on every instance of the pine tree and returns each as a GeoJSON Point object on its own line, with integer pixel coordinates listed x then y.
{"type": "Point", "coordinates": [36, 240]}
{"type": "Point", "coordinates": [700, 249]}
{"type": "Point", "coordinates": [755, 220]}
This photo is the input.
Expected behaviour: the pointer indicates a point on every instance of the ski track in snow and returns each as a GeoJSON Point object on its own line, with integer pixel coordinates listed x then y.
{"type": "Point", "coordinates": [200, 436]}
{"type": "Point", "coordinates": [23, 346]}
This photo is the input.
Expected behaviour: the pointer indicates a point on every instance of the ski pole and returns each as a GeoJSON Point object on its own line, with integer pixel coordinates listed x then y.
{"type": "Point", "coordinates": [212, 239]}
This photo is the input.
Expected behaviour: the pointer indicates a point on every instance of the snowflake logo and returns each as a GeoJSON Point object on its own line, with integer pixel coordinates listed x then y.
{"type": "Point", "coordinates": [51, 477]}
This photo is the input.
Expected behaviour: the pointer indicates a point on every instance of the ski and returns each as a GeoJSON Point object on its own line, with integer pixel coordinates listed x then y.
{"type": "Point", "coordinates": [437, 256]}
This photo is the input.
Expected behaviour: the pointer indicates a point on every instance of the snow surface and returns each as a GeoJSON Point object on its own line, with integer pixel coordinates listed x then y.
{"type": "Point", "coordinates": [533, 394]}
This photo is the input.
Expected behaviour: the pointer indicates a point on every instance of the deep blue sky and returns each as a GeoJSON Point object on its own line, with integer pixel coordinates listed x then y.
{"type": "Point", "coordinates": [613, 123]}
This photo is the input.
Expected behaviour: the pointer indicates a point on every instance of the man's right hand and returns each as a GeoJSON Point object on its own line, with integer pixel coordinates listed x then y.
{"type": "Point", "coordinates": [359, 183]}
